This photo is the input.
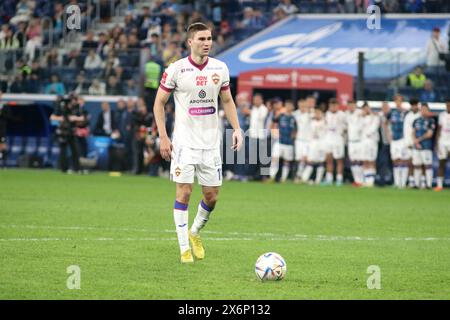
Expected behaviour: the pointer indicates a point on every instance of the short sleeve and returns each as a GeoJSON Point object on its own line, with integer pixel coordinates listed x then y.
{"type": "Point", "coordinates": [441, 119]}
{"type": "Point", "coordinates": [432, 125]}
{"type": "Point", "coordinates": [168, 79]}
{"type": "Point", "coordinates": [226, 79]}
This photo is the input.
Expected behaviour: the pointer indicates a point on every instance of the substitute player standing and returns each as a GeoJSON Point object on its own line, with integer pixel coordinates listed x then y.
{"type": "Point", "coordinates": [196, 82]}
{"type": "Point", "coordinates": [334, 142]}
{"type": "Point", "coordinates": [354, 134]}
{"type": "Point", "coordinates": [303, 118]}
{"type": "Point", "coordinates": [422, 136]}
{"type": "Point", "coordinates": [369, 143]}
{"type": "Point", "coordinates": [399, 150]}
{"type": "Point", "coordinates": [410, 117]}
{"type": "Point", "coordinates": [443, 142]}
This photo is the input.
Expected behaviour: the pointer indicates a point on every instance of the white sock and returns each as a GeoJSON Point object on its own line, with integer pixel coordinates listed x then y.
{"type": "Point", "coordinates": [372, 174]}
{"type": "Point", "coordinates": [360, 174]}
{"type": "Point", "coordinates": [307, 173]}
{"type": "Point", "coordinates": [417, 176]}
{"type": "Point", "coordinates": [412, 181]}
{"type": "Point", "coordinates": [181, 217]}
{"type": "Point", "coordinates": [429, 177]}
{"type": "Point", "coordinates": [339, 178]}
{"type": "Point", "coordinates": [201, 218]}
{"type": "Point", "coordinates": [355, 172]}
{"type": "Point", "coordinates": [300, 169]}
{"type": "Point", "coordinates": [397, 176]}
{"type": "Point", "coordinates": [404, 176]}
{"type": "Point", "coordinates": [273, 168]}
{"type": "Point", "coordinates": [285, 172]}
{"type": "Point", "coordinates": [319, 174]}
{"type": "Point", "coordinates": [440, 182]}
{"type": "Point", "coordinates": [329, 177]}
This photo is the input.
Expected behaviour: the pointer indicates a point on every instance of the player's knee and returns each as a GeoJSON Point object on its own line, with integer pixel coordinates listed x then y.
{"type": "Point", "coordinates": [184, 193]}
{"type": "Point", "coordinates": [211, 198]}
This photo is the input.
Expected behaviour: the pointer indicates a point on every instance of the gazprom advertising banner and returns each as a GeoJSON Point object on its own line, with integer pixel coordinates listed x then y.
{"type": "Point", "coordinates": [333, 43]}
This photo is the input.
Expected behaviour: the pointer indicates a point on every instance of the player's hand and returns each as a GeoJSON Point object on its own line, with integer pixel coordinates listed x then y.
{"type": "Point", "coordinates": [237, 140]}
{"type": "Point", "coordinates": [165, 148]}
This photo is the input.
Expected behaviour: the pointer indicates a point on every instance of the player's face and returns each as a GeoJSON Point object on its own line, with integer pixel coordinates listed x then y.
{"type": "Point", "coordinates": [201, 43]}
{"type": "Point", "coordinates": [257, 101]}
{"type": "Point", "coordinates": [333, 107]}
{"type": "Point", "coordinates": [398, 102]}
{"type": "Point", "coordinates": [415, 108]}
{"type": "Point", "coordinates": [289, 107]}
{"type": "Point", "coordinates": [425, 111]}
{"type": "Point", "coordinates": [351, 107]}
{"type": "Point", "coordinates": [318, 114]}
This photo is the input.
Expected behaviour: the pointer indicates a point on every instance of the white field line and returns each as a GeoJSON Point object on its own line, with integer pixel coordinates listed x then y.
{"type": "Point", "coordinates": [229, 236]}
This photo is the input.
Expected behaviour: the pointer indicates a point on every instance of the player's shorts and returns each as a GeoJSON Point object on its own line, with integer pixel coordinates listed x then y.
{"type": "Point", "coordinates": [369, 150]}
{"type": "Point", "coordinates": [443, 150]}
{"type": "Point", "coordinates": [422, 157]}
{"type": "Point", "coordinates": [355, 150]}
{"type": "Point", "coordinates": [335, 146]}
{"type": "Point", "coordinates": [316, 152]}
{"type": "Point", "coordinates": [399, 150]}
{"type": "Point", "coordinates": [284, 151]}
{"type": "Point", "coordinates": [187, 162]}
{"type": "Point", "coordinates": [301, 149]}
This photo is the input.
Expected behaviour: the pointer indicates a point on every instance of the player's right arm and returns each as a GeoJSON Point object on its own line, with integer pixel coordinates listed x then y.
{"type": "Point", "coordinates": [165, 145]}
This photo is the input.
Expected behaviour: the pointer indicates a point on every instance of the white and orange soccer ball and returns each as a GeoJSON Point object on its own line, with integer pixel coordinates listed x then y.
{"type": "Point", "coordinates": [270, 266]}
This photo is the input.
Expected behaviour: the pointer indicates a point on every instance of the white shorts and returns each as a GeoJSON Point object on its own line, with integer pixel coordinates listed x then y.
{"type": "Point", "coordinates": [284, 151]}
{"type": "Point", "coordinates": [399, 150]}
{"type": "Point", "coordinates": [187, 162]}
{"type": "Point", "coordinates": [301, 149]}
{"type": "Point", "coordinates": [335, 146]}
{"type": "Point", "coordinates": [422, 157]}
{"type": "Point", "coordinates": [355, 150]}
{"type": "Point", "coordinates": [369, 150]}
{"type": "Point", "coordinates": [443, 150]}
{"type": "Point", "coordinates": [316, 153]}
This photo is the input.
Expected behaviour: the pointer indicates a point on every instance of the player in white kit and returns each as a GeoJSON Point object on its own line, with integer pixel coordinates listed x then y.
{"type": "Point", "coordinates": [410, 117]}
{"type": "Point", "coordinates": [316, 152]}
{"type": "Point", "coordinates": [443, 143]}
{"type": "Point", "coordinates": [354, 133]}
{"type": "Point", "coordinates": [334, 142]}
{"type": "Point", "coordinates": [303, 118]}
{"type": "Point", "coordinates": [196, 82]}
{"type": "Point", "coordinates": [369, 142]}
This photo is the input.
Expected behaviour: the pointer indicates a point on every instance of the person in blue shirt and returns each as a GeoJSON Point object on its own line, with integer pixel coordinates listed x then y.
{"type": "Point", "coordinates": [399, 150]}
{"type": "Point", "coordinates": [423, 130]}
{"type": "Point", "coordinates": [285, 122]}
{"type": "Point", "coordinates": [55, 87]}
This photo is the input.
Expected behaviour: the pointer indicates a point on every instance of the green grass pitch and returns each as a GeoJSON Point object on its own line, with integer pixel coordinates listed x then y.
{"type": "Point", "coordinates": [120, 232]}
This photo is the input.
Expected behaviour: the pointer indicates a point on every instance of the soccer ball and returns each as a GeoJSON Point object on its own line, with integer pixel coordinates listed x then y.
{"type": "Point", "coordinates": [270, 266]}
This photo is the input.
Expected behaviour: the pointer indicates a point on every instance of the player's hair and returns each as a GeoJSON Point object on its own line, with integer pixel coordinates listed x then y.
{"type": "Point", "coordinates": [332, 101]}
{"type": "Point", "coordinates": [414, 101]}
{"type": "Point", "coordinates": [196, 27]}
{"type": "Point", "coordinates": [424, 104]}
{"type": "Point", "coordinates": [258, 95]}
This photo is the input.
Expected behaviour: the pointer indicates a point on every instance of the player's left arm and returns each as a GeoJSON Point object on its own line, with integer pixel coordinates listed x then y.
{"type": "Point", "coordinates": [229, 108]}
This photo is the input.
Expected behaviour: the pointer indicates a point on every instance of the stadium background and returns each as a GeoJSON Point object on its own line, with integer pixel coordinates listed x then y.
{"type": "Point", "coordinates": [42, 57]}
